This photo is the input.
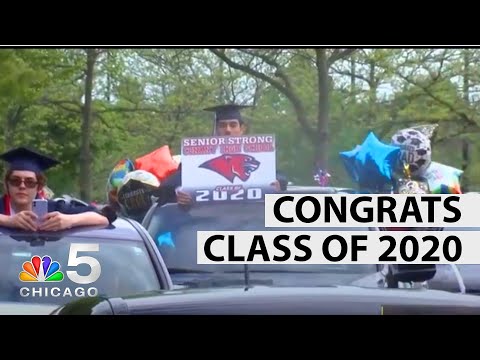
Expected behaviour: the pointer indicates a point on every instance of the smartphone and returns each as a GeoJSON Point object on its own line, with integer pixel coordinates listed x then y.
{"type": "Point", "coordinates": [40, 208]}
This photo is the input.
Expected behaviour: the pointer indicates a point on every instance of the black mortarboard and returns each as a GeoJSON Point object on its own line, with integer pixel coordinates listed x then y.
{"type": "Point", "coordinates": [227, 112]}
{"type": "Point", "coordinates": [25, 159]}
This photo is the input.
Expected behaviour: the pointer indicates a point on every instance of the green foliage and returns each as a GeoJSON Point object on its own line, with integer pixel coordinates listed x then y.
{"type": "Point", "coordinates": [147, 98]}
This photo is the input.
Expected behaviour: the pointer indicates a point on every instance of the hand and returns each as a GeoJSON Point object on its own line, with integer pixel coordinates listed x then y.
{"type": "Point", "coordinates": [184, 198]}
{"type": "Point", "coordinates": [55, 221]}
{"type": "Point", "coordinates": [25, 220]}
{"type": "Point", "coordinates": [276, 185]}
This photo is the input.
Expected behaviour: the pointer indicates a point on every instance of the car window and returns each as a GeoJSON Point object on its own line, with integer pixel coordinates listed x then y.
{"type": "Point", "coordinates": [125, 268]}
{"type": "Point", "coordinates": [175, 232]}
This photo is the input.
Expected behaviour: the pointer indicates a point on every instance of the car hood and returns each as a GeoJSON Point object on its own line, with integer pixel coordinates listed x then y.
{"type": "Point", "coordinates": [264, 300]}
{"type": "Point", "coordinates": [15, 308]}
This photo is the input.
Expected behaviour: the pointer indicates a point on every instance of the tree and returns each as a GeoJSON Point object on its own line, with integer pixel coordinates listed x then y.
{"type": "Point", "coordinates": [272, 66]}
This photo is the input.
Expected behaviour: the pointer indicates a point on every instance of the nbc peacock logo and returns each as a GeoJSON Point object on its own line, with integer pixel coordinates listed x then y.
{"type": "Point", "coordinates": [41, 270]}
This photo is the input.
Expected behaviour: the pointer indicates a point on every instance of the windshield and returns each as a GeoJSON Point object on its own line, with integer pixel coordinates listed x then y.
{"type": "Point", "coordinates": [175, 232]}
{"type": "Point", "coordinates": [124, 268]}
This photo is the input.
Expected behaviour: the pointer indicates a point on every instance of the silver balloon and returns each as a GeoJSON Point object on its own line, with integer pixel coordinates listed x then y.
{"type": "Point", "coordinates": [415, 150]}
{"type": "Point", "coordinates": [428, 129]}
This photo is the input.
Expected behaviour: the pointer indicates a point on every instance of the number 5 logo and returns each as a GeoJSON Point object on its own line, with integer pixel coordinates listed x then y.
{"type": "Point", "coordinates": [75, 260]}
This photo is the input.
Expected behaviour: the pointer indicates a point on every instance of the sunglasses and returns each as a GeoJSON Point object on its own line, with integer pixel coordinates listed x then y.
{"type": "Point", "coordinates": [29, 183]}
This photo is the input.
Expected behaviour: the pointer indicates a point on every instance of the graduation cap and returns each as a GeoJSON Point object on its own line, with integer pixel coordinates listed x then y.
{"type": "Point", "coordinates": [227, 112]}
{"type": "Point", "coordinates": [25, 159]}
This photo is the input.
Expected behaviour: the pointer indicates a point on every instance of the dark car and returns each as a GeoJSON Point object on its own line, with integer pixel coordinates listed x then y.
{"type": "Point", "coordinates": [41, 271]}
{"type": "Point", "coordinates": [267, 300]}
{"type": "Point", "coordinates": [268, 289]}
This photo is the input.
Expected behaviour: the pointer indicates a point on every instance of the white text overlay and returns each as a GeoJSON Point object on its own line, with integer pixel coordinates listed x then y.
{"type": "Point", "coordinates": [352, 210]}
{"type": "Point", "coordinates": [324, 247]}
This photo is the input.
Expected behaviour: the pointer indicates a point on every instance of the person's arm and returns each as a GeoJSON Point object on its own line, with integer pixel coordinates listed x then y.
{"type": "Point", "coordinates": [106, 212]}
{"type": "Point", "coordinates": [280, 184]}
{"type": "Point", "coordinates": [25, 220]}
{"type": "Point", "coordinates": [174, 183]}
{"type": "Point", "coordinates": [282, 181]}
{"type": "Point", "coordinates": [174, 180]}
{"type": "Point", "coordinates": [89, 218]}
{"type": "Point", "coordinates": [58, 221]}
{"type": "Point", "coordinates": [65, 216]}
{"type": "Point", "coordinates": [5, 220]}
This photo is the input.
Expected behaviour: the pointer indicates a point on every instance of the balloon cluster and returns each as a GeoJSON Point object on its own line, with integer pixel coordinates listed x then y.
{"type": "Point", "coordinates": [132, 184]}
{"type": "Point", "coordinates": [371, 164]}
{"type": "Point", "coordinates": [404, 165]}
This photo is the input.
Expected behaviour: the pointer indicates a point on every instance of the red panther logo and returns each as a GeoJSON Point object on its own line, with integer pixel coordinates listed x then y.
{"type": "Point", "coordinates": [231, 166]}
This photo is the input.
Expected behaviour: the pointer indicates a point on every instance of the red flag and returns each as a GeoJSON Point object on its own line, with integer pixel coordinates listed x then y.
{"type": "Point", "coordinates": [159, 162]}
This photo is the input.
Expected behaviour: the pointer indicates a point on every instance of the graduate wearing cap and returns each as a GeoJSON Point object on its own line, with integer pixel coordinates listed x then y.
{"type": "Point", "coordinates": [24, 181]}
{"type": "Point", "coordinates": [228, 121]}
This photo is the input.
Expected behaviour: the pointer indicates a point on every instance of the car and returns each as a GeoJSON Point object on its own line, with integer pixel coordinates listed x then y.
{"type": "Point", "coordinates": [458, 278]}
{"type": "Point", "coordinates": [70, 200]}
{"type": "Point", "coordinates": [168, 223]}
{"type": "Point", "coordinates": [269, 289]}
{"type": "Point", "coordinates": [175, 232]}
{"type": "Point", "coordinates": [41, 271]}
{"type": "Point", "coordinates": [280, 300]}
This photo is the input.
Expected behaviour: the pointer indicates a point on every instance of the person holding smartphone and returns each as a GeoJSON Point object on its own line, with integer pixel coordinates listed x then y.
{"type": "Point", "coordinates": [23, 184]}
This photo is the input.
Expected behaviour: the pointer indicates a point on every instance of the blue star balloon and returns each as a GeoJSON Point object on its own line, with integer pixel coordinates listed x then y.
{"type": "Point", "coordinates": [375, 162]}
{"type": "Point", "coordinates": [348, 158]}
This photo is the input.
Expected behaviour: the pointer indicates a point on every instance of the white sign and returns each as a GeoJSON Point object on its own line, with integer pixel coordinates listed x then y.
{"type": "Point", "coordinates": [228, 168]}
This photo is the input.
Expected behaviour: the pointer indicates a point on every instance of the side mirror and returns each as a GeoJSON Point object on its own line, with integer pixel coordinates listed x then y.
{"type": "Point", "coordinates": [409, 273]}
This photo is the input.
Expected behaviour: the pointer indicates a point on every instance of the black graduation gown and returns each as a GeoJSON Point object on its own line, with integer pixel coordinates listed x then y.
{"type": "Point", "coordinates": [68, 209]}
{"type": "Point", "coordinates": [175, 180]}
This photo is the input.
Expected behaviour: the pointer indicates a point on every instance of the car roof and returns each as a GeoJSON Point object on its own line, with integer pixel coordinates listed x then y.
{"type": "Point", "coordinates": [122, 229]}
{"type": "Point", "coordinates": [317, 190]}
{"type": "Point", "coordinates": [291, 189]}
